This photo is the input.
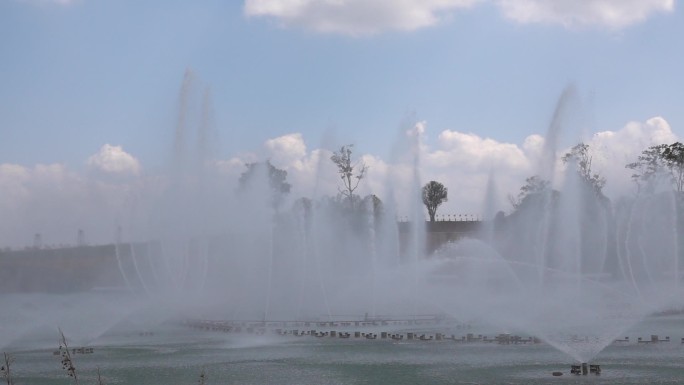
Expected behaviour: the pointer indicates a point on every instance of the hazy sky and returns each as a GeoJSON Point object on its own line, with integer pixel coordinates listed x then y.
{"type": "Point", "coordinates": [91, 87]}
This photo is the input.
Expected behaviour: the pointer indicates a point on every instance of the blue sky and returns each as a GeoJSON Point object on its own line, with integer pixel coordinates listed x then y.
{"type": "Point", "coordinates": [92, 85]}
{"type": "Point", "coordinates": [83, 73]}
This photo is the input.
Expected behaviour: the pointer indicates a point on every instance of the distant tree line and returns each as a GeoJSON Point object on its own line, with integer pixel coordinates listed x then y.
{"type": "Point", "coordinates": [351, 173]}
{"type": "Point", "coordinates": [657, 167]}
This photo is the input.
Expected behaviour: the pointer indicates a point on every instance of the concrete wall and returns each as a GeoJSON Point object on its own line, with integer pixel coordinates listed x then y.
{"type": "Point", "coordinates": [83, 268]}
{"type": "Point", "coordinates": [59, 270]}
{"type": "Point", "coordinates": [438, 234]}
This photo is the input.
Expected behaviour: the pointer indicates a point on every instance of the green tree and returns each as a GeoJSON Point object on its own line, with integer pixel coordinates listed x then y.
{"type": "Point", "coordinates": [648, 168]}
{"type": "Point", "coordinates": [277, 180]}
{"type": "Point", "coordinates": [582, 158]}
{"type": "Point", "coordinates": [350, 172]}
{"type": "Point", "coordinates": [434, 194]}
{"type": "Point", "coordinates": [674, 161]}
{"type": "Point", "coordinates": [533, 185]}
{"type": "Point", "coordinates": [657, 162]}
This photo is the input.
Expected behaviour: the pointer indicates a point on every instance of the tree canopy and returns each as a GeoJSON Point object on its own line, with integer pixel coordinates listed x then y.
{"type": "Point", "coordinates": [277, 179]}
{"type": "Point", "coordinates": [533, 185]}
{"type": "Point", "coordinates": [662, 161]}
{"type": "Point", "coordinates": [582, 158]}
{"type": "Point", "coordinates": [434, 194]}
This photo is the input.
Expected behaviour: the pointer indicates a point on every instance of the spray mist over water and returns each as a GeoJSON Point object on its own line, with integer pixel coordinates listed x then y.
{"type": "Point", "coordinates": [563, 267]}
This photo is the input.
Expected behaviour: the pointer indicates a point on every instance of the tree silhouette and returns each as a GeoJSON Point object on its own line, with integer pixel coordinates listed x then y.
{"type": "Point", "coordinates": [582, 158]}
{"type": "Point", "coordinates": [533, 185]}
{"type": "Point", "coordinates": [346, 168]}
{"type": "Point", "coordinates": [656, 162]}
{"type": "Point", "coordinates": [434, 194]}
{"type": "Point", "coordinates": [674, 161]}
{"type": "Point", "coordinates": [277, 180]}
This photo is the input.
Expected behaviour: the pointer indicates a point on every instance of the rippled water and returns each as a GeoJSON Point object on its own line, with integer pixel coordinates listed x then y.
{"type": "Point", "coordinates": [177, 355]}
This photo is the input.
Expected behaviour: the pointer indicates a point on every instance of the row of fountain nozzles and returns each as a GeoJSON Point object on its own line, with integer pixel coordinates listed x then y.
{"type": "Point", "coordinates": [655, 339]}
{"type": "Point", "coordinates": [585, 369]}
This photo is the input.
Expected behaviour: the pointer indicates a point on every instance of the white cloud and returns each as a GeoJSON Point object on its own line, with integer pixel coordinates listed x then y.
{"type": "Point", "coordinates": [56, 201]}
{"type": "Point", "coordinates": [114, 160]}
{"type": "Point", "coordinates": [464, 161]}
{"type": "Point", "coordinates": [234, 166]}
{"type": "Point", "coordinates": [356, 17]}
{"type": "Point", "coordinates": [612, 150]}
{"type": "Point", "coordinates": [614, 14]}
{"type": "Point", "coordinates": [49, 2]}
{"type": "Point", "coordinates": [286, 150]}
{"type": "Point", "coordinates": [367, 17]}
{"type": "Point", "coordinates": [13, 180]}
{"type": "Point", "coordinates": [472, 151]}
{"type": "Point", "coordinates": [40, 199]}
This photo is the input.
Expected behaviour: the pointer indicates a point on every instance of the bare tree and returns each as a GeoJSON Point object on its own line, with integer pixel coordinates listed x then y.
{"type": "Point", "coordinates": [434, 194]}
{"type": "Point", "coordinates": [351, 173]}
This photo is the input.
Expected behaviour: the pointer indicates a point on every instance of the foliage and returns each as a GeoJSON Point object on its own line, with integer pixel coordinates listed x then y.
{"type": "Point", "coordinates": [659, 161]}
{"type": "Point", "coordinates": [277, 180]}
{"type": "Point", "coordinates": [674, 161]}
{"type": "Point", "coordinates": [648, 168]}
{"type": "Point", "coordinates": [351, 173]}
{"type": "Point", "coordinates": [582, 158]}
{"type": "Point", "coordinates": [434, 194]}
{"type": "Point", "coordinates": [533, 185]}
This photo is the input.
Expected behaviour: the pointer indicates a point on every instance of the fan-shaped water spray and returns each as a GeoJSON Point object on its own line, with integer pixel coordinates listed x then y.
{"type": "Point", "coordinates": [563, 266]}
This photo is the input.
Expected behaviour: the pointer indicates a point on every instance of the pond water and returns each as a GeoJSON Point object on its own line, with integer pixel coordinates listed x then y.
{"type": "Point", "coordinates": [176, 354]}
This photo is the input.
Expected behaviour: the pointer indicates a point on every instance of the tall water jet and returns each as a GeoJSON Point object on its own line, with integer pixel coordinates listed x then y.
{"type": "Point", "coordinates": [489, 210]}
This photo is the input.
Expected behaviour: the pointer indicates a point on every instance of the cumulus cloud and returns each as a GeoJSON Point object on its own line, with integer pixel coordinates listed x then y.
{"type": "Point", "coordinates": [612, 150]}
{"type": "Point", "coordinates": [367, 17]}
{"type": "Point", "coordinates": [461, 161]}
{"type": "Point", "coordinates": [49, 2]}
{"type": "Point", "coordinates": [56, 201]}
{"type": "Point", "coordinates": [39, 199]}
{"type": "Point", "coordinates": [235, 165]}
{"type": "Point", "coordinates": [356, 17]}
{"type": "Point", "coordinates": [464, 161]}
{"type": "Point", "coordinates": [473, 151]}
{"type": "Point", "coordinates": [114, 160]}
{"type": "Point", "coordinates": [286, 150]}
{"type": "Point", "coordinates": [614, 14]}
